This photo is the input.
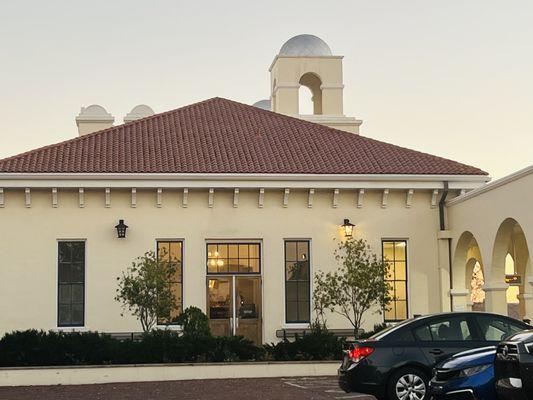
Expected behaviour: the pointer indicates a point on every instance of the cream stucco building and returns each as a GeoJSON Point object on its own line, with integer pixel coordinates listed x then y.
{"type": "Point", "coordinates": [248, 201]}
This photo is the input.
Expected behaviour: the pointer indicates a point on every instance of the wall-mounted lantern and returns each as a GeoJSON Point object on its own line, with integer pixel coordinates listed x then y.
{"type": "Point", "coordinates": [121, 229]}
{"type": "Point", "coordinates": [348, 228]}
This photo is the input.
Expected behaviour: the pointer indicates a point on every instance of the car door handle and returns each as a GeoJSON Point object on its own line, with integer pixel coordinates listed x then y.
{"type": "Point", "coordinates": [436, 352]}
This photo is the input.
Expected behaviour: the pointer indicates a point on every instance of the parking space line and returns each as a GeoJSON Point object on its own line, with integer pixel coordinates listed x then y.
{"type": "Point", "coordinates": [296, 385]}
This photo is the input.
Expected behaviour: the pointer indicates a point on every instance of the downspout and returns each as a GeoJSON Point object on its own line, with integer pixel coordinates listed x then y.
{"type": "Point", "coordinates": [441, 206]}
{"type": "Point", "coordinates": [442, 221]}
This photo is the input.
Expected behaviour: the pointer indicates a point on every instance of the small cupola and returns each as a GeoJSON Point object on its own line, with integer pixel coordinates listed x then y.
{"type": "Point", "coordinates": [138, 112]}
{"type": "Point", "coordinates": [92, 119]}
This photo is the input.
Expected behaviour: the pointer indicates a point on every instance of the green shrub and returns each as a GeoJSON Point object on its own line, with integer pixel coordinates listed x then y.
{"type": "Point", "coordinates": [32, 347]}
{"type": "Point", "coordinates": [39, 348]}
{"type": "Point", "coordinates": [196, 344]}
{"type": "Point", "coordinates": [235, 348]}
{"type": "Point", "coordinates": [317, 345]}
{"type": "Point", "coordinates": [194, 322]}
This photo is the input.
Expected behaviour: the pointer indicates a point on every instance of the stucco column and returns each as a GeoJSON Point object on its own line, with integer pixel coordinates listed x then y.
{"type": "Point", "coordinates": [287, 98]}
{"type": "Point", "coordinates": [495, 297]}
{"type": "Point", "coordinates": [461, 299]}
{"type": "Point", "coordinates": [527, 297]}
{"type": "Point", "coordinates": [444, 269]}
{"type": "Point", "coordinates": [332, 99]}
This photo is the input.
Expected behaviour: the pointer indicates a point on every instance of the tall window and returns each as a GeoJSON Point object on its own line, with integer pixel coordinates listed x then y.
{"type": "Point", "coordinates": [297, 281]}
{"type": "Point", "coordinates": [171, 252]}
{"type": "Point", "coordinates": [71, 283]}
{"type": "Point", "coordinates": [395, 255]}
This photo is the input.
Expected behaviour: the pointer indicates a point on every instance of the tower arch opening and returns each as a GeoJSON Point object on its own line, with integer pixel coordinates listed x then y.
{"type": "Point", "coordinates": [310, 84]}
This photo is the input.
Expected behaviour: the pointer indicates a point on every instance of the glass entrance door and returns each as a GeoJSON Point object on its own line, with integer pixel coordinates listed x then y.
{"type": "Point", "coordinates": [234, 306]}
{"type": "Point", "coordinates": [220, 303]}
{"type": "Point", "coordinates": [248, 307]}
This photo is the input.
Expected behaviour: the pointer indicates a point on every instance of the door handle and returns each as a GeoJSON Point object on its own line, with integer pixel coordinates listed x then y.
{"type": "Point", "coordinates": [436, 352]}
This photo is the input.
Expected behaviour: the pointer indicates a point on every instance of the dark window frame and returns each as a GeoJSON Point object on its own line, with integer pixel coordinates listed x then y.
{"type": "Point", "coordinates": [60, 284]}
{"type": "Point", "coordinates": [225, 273]}
{"type": "Point", "coordinates": [392, 281]}
{"type": "Point", "coordinates": [298, 320]}
{"type": "Point", "coordinates": [168, 241]}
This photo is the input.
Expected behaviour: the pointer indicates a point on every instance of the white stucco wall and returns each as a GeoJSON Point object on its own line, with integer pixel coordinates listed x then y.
{"type": "Point", "coordinates": [28, 245]}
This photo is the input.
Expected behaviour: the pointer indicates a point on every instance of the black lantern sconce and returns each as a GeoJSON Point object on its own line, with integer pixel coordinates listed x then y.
{"type": "Point", "coordinates": [348, 228]}
{"type": "Point", "coordinates": [121, 229]}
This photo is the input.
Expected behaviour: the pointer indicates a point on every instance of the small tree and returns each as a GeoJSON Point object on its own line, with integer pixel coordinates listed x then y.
{"type": "Point", "coordinates": [144, 289]}
{"type": "Point", "coordinates": [321, 301]}
{"type": "Point", "coordinates": [356, 286]}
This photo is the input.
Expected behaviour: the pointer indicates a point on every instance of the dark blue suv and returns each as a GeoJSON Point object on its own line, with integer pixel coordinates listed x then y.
{"type": "Point", "coordinates": [397, 363]}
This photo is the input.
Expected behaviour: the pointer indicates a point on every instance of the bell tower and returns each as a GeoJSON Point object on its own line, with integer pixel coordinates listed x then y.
{"type": "Point", "coordinates": [306, 60]}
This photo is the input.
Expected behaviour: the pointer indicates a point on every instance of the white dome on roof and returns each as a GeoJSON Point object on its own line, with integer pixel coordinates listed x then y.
{"type": "Point", "coordinates": [138, 112]}
{"type": "Point", "coordinates": [305, 45]}
{"type": "Point", "coordinates": [264, 104]}
{"type": "Point", "coordinates": [94, 112]}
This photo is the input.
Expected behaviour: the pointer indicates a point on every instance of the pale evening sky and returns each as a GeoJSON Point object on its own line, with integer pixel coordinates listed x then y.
{"type": "Point", "coordinates": [450, 77]}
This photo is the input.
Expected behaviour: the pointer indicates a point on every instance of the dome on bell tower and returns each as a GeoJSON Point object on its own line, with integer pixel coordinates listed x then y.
{"type": "Point", "coordinates": [263, 104]}
{"type": "Point", "coordinates": [305, 46]}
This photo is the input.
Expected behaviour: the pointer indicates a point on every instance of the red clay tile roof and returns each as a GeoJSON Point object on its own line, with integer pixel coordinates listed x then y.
{"type": "Point", "coordinates": [223, 136]}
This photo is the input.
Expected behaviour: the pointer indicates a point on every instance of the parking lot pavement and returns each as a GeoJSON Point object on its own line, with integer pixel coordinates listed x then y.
{"type": "Point", "coordinates": [311, 388]}
{"type": "Point", "coordinates": [326, 386]}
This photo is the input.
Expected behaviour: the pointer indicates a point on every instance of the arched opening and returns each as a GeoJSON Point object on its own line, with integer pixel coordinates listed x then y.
{"type": "Point", "coordinates": [511, 263]}
{"type": "Point", "coordinates": [310, 95]}
{"type": "Point", "coordinates": [477, 280]}
{"type": "Point", "coordinates": [513, 302]}
{"type": "Point", "coordinates": [468, 273]}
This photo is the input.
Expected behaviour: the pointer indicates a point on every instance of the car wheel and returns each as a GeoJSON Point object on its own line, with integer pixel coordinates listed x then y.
{"type": "Point", "coordinates": [408, 384]}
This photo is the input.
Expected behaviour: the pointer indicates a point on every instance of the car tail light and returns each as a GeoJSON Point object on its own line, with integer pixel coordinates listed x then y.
{"type": "Point", "coordinates": [359, 353]}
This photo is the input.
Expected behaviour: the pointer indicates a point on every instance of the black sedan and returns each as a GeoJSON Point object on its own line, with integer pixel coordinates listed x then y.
{"type": "Point", "coordinates": [396, 363]}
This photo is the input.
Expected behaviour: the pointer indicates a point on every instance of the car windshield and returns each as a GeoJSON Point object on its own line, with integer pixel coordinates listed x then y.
{"type": "Point", "coordinates": [381, 334]}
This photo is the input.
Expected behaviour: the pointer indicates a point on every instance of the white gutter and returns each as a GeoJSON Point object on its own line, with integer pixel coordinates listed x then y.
{"type": "Point", "coordinates": [358, 181]}
{"type": "Point", "coordinates": [491, 186]}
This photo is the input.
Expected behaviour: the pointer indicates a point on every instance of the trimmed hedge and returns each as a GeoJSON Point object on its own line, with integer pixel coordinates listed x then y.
{"type": "Point", "coordinates": [317, 345]}
{"type": "Point", "coordinates": [39, 348]}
